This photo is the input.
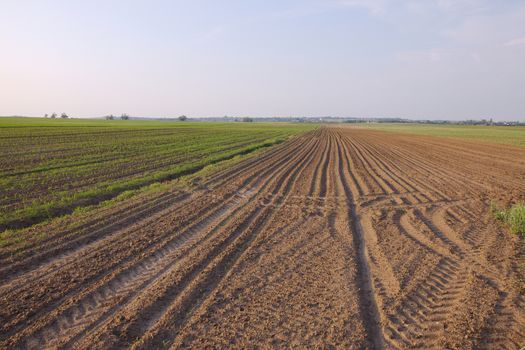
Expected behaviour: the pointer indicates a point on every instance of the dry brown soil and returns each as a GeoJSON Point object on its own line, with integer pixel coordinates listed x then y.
{"type": "Point", "coordinates": [340, 238]}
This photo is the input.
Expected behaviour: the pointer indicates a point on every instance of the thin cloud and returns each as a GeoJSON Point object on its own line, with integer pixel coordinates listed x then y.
{"type": "Point", "coordinates": [515, 42]}
{"type": "Point", "coordinates": [374, 7]}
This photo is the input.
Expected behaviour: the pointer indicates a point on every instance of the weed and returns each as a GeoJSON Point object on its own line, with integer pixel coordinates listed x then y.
{"type": "Point", "coordinates": [513, 217]}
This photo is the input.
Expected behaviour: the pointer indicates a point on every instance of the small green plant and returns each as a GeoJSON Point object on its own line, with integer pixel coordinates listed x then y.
{"type": "Point", "coordinates": [514, 217]}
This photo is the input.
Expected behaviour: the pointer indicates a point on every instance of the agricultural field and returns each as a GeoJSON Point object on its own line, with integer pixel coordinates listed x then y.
{"type": "Point", "coordinates": [339, 237]}
{"type": "Point", "coordinates": [50, 167]}
{"type": "Point", "coordinates": [510, 135]}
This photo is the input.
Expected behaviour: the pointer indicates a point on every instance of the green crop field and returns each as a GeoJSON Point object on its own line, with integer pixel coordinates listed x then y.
{"type": "Point", "coordinates": [49, 167]}
{"type": "Point", "coordinates": [510, 135]}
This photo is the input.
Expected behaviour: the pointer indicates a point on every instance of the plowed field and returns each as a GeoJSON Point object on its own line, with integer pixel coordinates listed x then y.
{"type": "Point", "coordinates": [341, 237]}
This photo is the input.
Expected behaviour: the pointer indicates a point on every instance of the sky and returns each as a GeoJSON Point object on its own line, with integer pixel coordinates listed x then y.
{"type": "Point", "coordinates": [421, 59]}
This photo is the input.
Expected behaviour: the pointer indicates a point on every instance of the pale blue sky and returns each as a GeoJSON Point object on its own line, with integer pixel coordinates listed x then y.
{"type": "Point", "coordinates": [446, 59]}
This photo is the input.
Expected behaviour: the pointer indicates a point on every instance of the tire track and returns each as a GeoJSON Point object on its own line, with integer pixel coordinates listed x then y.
{"type": "Point", "coordinates": [367, 294]}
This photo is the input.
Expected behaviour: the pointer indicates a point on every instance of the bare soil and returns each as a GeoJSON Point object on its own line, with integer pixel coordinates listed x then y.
{"type": "Point", "coordinates": [340, 238]}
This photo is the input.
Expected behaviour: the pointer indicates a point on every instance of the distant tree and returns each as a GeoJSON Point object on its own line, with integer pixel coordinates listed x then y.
{"type": "Point", "coordinates": [183, 118]}
{"type": "Point", "coordinates": [124, 117]}
{"type": "Point", "coordinates": [54, 115]}
{"type": "Point", "coordinates": [247, 120]}
{"type": "Point", "coordinates": [64, 116]}
{"type": "Point", "coordinates": [110, 117]}
{"type": "Point", "coordinates": [45, 115]}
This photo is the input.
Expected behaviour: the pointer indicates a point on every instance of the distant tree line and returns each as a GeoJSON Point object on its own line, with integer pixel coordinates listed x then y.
{"type": "Point", "coordinates": [112, 117]}
{"type": "Point", "coordinates": [54, 115]}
